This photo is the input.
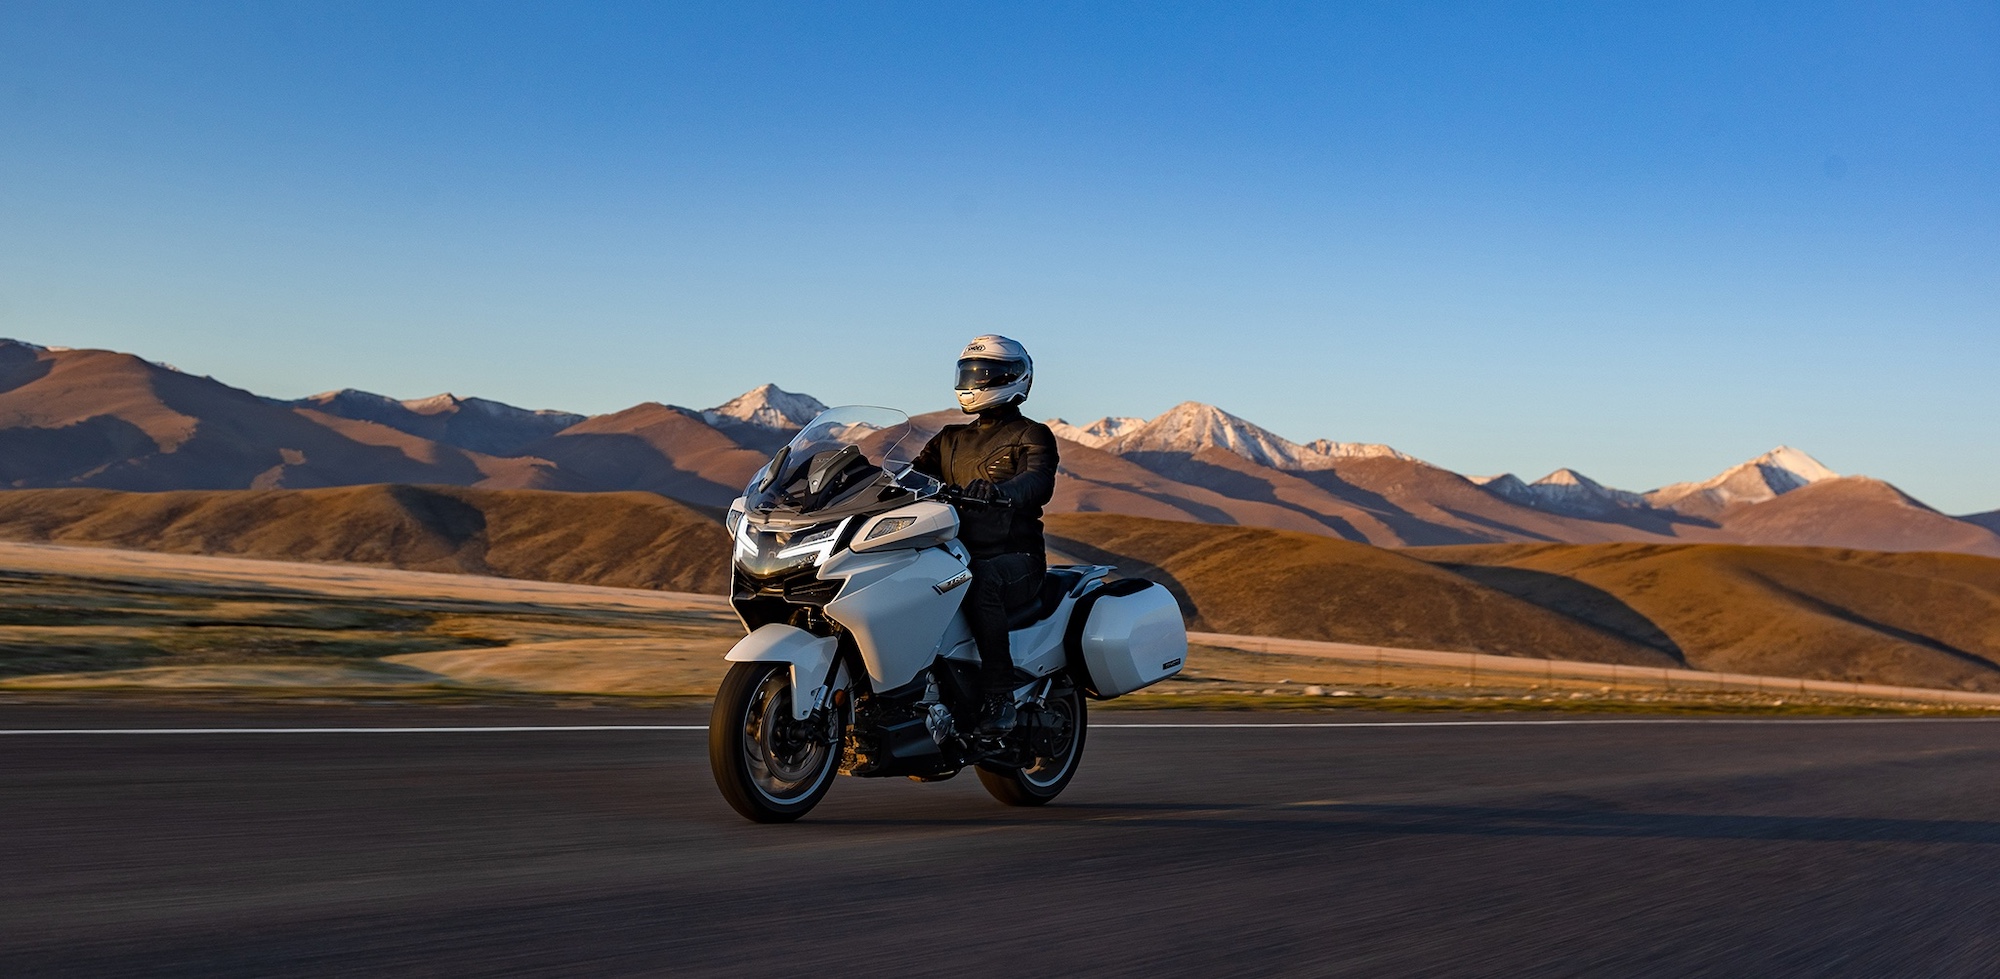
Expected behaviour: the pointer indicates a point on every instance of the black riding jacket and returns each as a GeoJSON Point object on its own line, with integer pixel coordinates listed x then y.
{"type": "Point", "coordinates": [1015, 454]}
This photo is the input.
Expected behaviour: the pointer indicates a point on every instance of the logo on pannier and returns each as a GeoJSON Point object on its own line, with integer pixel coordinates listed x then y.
{"type": "Point", "coordinates": [953, 582]}
{"type": "Point", "coordinates": [1170, 664]}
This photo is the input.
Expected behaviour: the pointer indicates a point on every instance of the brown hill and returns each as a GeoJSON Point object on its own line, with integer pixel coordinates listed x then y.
{"type": "Point", "coordinates": [1925, 619]}
{"type": "Point", "coordinates": [1860, 513]}
{"type": "Point", "coordinates": [653, 447]}
{"type": "Point", "coordinates": [468, 423]}
{"type": "Point", "coordinates": [98, 418]}
{"type": "Point", "coordinates": [71, 418]}
{"type": "Point", "coordinates": [1921, 619]}
{"type": "Point", "coordinates": [1438, 506]}
{"type": "Point", "coordinates": [1384, 501]}
{"type": "Point", "coordinates": [1304, 586]}
{"type": "Point", "coordinates": [1232, 475]}
{"type": "Point", "coordinates": [631, 540]}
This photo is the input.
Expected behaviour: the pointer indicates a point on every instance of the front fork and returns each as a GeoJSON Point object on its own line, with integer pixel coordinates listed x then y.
{"type": "Point", "coordinates": [829, 704]}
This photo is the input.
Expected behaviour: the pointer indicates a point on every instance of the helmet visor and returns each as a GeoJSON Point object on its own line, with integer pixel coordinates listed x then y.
{"type": "Point", "coordinates": [979, 374]}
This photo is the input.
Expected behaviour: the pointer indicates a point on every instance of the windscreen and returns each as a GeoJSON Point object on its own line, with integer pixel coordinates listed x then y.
{"type": "Point", "coordinates": [854, 454]}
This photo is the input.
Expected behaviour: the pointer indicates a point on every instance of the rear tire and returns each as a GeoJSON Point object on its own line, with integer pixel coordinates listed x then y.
{"type": "Point", "coordinates": [1042, 782]}
{"type": "Point", "coordinates": [770, 768]}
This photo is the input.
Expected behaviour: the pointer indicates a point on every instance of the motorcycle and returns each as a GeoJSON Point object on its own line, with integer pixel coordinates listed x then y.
{"type": "Point", "coordinates": [848, 578]}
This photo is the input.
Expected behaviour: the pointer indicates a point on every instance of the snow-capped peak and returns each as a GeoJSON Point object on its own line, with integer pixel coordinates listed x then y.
{"type": "Point", "coordinates": [768, 406]}
{"type": "Point", "coordinates": [1192, 426]}
{"type": "Point", "coordinates": [369, 406]}
{"type": "Point", "coordinates": [350, 397]}
{"type": "Point", "coordinates": [1568, 477]}
{"type": "Point", "coordinates": [1795, 462]}
{"type": "Point", "coordinates": [1571, 488]}
{"type": "Point", "coordinates": [1563, 491]}
{"type": "Point", "coordinates": [433, 404]}
{"type": "Point", "coordinates": [1354, 450]}
{"type": "Point", "coordinates": [1776, 472]}
{"type": "Point", "coordinates": [1097, 433]}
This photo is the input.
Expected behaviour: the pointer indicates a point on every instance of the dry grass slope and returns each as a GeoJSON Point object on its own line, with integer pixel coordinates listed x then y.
{"type": "Point", "coordinates": [1305, 586]}
{"type": "Point", "coordinates": [1921, 619]}
{"type": "Point", "coordinates": [632, 540]}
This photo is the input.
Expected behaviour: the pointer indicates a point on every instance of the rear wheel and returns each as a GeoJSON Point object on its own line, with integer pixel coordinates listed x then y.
{"type": "Point", "coordinates": [1042, 781]}
{"type": "Point", "coordinates": [770, 767]}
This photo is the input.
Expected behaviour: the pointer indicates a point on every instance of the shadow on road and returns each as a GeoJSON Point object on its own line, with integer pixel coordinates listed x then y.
{"type": "Point", "coordinates": [1357, 818]}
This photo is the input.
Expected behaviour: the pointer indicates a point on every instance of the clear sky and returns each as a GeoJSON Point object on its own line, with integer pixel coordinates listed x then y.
{"type": "Point", "coordinates": [1646, 241]}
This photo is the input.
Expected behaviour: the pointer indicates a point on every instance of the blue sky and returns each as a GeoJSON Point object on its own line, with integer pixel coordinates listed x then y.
{"type": "Point", "coordinates": [1643, 240]}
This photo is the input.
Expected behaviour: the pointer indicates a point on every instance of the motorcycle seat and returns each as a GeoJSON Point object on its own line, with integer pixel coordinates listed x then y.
{"type": "Point", "coordinates": [1056, 584]}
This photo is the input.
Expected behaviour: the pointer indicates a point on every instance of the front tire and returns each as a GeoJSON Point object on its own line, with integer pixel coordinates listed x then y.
{"type": "Point", "coordinates": [770, 767]}
{"type": "Point", "coordinates": [1041, 782]}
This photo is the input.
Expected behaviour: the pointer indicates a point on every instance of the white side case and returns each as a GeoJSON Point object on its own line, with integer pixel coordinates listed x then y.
{"type": "Point", "coordinates": [1132, 637]}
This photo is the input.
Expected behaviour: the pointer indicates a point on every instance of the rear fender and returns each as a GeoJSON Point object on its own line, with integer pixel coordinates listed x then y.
{"type": "Point", "coordinates": [810, 657]}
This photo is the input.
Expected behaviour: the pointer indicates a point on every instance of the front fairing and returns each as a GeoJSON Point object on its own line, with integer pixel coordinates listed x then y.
{"type": "Point", "coordinates": [806, 504]}
{"type": "Point", "coordinates": [847, 464]}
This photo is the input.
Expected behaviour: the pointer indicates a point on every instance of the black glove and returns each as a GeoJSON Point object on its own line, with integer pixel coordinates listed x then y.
{"type": "Point", "coordinates": [980, 491]}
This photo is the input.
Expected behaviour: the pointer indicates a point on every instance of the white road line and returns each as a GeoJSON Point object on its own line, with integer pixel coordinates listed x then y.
{"type": "Point", "coordinates": [1577, 721]}
{"type": "Point", "coordinates": [526, 728]}
{"type": "Point", "coordinates": [1231, 725]}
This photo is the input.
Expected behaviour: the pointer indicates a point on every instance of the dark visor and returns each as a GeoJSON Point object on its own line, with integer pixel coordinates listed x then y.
{"type": "Point", "coordinates": [978, 375]}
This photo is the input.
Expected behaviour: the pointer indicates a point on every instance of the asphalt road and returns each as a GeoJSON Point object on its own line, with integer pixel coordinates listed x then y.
{"type": "Point", "coordinates": [1770, 848]}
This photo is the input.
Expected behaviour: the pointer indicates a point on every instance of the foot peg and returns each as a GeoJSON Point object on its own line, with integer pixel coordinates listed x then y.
{"type": "Point", "coordinates": [997, 717]}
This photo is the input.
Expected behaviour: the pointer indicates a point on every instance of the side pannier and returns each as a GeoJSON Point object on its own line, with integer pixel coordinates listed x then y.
{"type": "Point", "coordinates": [1126, 635]}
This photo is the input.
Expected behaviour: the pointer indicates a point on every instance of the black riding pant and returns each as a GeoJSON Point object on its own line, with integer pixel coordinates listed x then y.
{"type": "Point", "coordinates": [1000, 584]}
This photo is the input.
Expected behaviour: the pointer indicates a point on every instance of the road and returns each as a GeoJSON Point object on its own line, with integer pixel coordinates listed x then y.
{"type": "Point", "coordinates": [1614, 848]}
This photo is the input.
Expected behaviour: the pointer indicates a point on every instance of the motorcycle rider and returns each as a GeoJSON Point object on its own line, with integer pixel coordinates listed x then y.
{"type": "Point", "coordinates": [1001, 456]}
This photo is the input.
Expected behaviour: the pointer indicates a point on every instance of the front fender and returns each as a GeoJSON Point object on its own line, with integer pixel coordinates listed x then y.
{"type": "Point", "coordinates": [810, 656]}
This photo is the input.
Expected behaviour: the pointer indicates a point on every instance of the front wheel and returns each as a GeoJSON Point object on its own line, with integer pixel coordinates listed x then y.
{"type": "Point", "coordinates": [770, 767]}
{"type": "Point", "coordinates": [1058, 751]}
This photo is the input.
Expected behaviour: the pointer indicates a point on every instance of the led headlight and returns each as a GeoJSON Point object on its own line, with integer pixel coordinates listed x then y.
{"type": "Point", "coordinates": [733, 522]}
{"type": "Point", "coordinates": [886, 527]}
{"type": "Point", "coordinates": [817, 536]}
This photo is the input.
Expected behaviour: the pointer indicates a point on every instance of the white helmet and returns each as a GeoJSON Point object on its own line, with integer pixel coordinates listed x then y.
{"type": "Point", "coordinates": [993, 371]}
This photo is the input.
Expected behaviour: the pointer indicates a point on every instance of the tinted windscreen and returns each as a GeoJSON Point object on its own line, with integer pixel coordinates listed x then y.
{"type": "Point", "coordinates": [839, 457]}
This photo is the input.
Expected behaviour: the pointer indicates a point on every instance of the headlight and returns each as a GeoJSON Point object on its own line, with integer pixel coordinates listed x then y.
{"type": "Point", "coordinates": [820, 535]}
{"type": "Point", "coordinates": [886, 527]}
{"type": "Point", "coordinates": [733, 522]}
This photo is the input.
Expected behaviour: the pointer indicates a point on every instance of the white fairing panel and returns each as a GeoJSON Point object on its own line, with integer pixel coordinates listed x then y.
{"type": "Point", "coordinates": [896, 604]}
{"type": "Point", "coordinates": [957, 642]}
{"type": "Point", "coordinates": [1038, 648]}
{"type": "Point", "coordinates": [924, 524]}
{"type": "Point", "coordinates": [1132, 641]}
{"type": "Point", "coordinates": [810, 656]}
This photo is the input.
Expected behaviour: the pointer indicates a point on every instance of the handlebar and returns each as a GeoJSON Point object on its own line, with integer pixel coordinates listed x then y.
{"type": "Point", "coordinates": [956, 497]}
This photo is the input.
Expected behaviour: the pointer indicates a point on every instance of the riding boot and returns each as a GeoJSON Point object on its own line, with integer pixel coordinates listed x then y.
{"type": "Point", "coordinates": [997, 716]}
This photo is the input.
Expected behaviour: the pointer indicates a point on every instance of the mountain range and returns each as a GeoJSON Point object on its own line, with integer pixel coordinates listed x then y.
{"type": "Point", "coordinates": [103, 419]}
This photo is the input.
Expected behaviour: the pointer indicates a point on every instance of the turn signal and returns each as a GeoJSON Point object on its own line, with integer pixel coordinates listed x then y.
{"type": "Point", "coordinates": [884, 528]}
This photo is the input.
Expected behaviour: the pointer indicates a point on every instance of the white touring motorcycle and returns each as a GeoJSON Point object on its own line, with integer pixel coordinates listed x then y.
{"type": "Point", "coordinates": [849, 576]}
